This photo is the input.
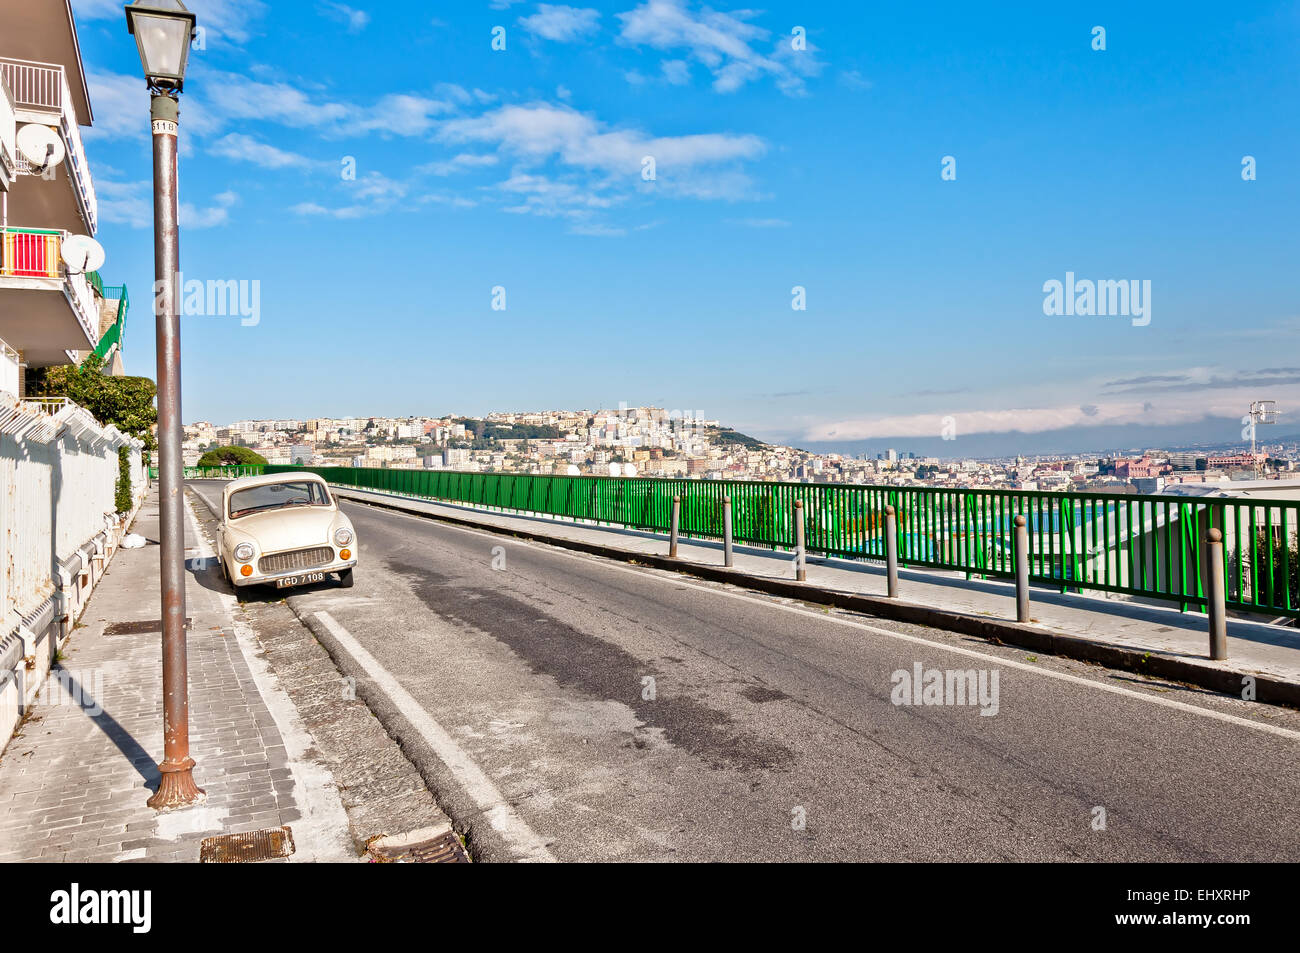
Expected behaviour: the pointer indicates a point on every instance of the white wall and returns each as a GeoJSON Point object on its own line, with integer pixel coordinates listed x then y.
{"type": "Point", "coordinates": [9, 373]}
{"type": "Point", "coordinates": [58, 477]}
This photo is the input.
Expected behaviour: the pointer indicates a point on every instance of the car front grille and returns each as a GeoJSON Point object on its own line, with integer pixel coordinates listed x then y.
{"type": "Point", "coordinates": [296, 559]}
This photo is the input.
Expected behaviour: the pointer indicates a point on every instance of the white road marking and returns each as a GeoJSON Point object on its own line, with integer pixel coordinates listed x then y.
{"type": "Point", "coordinates": [901, 636]}
{"type": "Point", "coordinates": [503, 818]}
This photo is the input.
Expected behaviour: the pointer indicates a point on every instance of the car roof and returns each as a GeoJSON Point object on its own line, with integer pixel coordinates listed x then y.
{"type": "Point", "coordinates": [290, 476]}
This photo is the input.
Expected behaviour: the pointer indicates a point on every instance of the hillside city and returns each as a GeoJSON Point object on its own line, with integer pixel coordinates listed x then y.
{"type": "Point", "coordinates": [654, 442]}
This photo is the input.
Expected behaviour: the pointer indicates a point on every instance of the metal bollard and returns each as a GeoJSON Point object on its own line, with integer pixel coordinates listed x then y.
{"type": "Point", "coordinates": [800, 539]}
{"type": "Point", "coordinates": [673, 527]}
{"type": "Point", "coordinates": [891, 551]}
{"type": "Point", "coordinates": [727, 559]}
{"type": "Point", "coordinates": [1216, 608]}
{"type": "Point", "coordinates": [1022, 570]}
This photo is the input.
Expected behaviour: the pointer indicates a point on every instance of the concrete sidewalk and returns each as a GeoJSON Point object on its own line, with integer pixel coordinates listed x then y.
{"type": "Point", "coordinates": [1125, 626]}
{"type": "Point", "coordinates": [75, 778]}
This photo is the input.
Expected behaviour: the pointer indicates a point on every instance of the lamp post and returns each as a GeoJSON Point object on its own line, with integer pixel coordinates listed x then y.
{"type": "Point", "coordinates": [163, 30]}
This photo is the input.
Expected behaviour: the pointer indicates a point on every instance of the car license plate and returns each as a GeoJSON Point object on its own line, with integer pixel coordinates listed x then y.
{"type": "Point", "coordinates": [303, 580]}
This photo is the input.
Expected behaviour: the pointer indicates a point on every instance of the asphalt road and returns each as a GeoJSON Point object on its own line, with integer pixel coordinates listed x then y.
{"type": "Point", "coordinates": [768, 732]}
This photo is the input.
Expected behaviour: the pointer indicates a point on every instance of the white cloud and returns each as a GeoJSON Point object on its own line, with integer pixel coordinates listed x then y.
{"type": "Point", "coordinates": [459, 163]}
{"type": "Point", "coordinates": [228, 18]}
{"type": "Point", "coordinates": [759, 222]}
{"type": "Point", "coordinates": [561, 23]}
{"type": "Point", "coordinates": [125, 203]}
{"type": "Point", "coordinates": [121, 104]}
{"type": "Point", "coordinates": [541, 195]}
{"type": "Point", "coordinates": [131, 204]}
{"type": "Point", "coordinates": [598, 231]}
{"type": "Point", "coordinates": [374, 185]}
{"type": "Point", "coordinates": [455, 201]}
{"type": "Point", "coordinates": [244, 148]}
{"type": "Point", "coordinates": [853, 79]}
{"type": "Point", "coordinates": [372, 194]}
{"type": "Point", "coordinates": [227, 96]}
{"type": "Point", "coordinates": [723, 42]}
{"type": "Point", "coordinates": [676, 72]}
{"type": "Point", "coordinates": [402, 114]}
{"type": "Point", "coordinates": [355, 20]}
{"type": "Point", "coordinates": [216, 214]}
{"type": "Point", "coordinates": [539, 130]}
{"type": "Point", "coordinates": [1152, 412]}
{"type": "Point", "coordinates": [314, 209]}
{"type": "Point", "coordinates": [217, 100]}
{"type": "Point", "coordinates": [598, 166]}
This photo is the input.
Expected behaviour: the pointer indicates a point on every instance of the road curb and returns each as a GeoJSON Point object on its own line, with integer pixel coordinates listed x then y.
{"type": "Point", "coordinates": [380, 809]}
{"type": "Point", "coordinates": [1268, 688]}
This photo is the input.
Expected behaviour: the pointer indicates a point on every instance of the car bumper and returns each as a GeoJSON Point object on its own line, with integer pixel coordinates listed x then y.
{"type": "Point", "coordinates": [262, 579]}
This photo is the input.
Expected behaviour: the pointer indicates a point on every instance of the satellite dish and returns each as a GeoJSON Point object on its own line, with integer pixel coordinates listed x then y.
{"type": "Point", "coordinates": [573, 470]}
{"type": "Point", "coordinates": [629, 470]}
{"type": "Point", "coordinates": [81, 254]}
{"type": "Point", "coordinates": [615, 469]}
{"type": "Point", "coordinates": [40, 146]}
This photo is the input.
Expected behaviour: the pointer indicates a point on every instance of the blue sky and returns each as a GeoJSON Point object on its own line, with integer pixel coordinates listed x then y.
{"type": "Point", "coordinates": [775, 167]}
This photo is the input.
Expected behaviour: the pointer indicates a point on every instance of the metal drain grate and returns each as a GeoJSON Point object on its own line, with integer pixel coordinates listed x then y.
{"type": "Point", "coordinates": [446, 849]}
{"type": "Point", "coordinates": [247, 848]}
{"type": "Point", "coordinates": [140, 628]}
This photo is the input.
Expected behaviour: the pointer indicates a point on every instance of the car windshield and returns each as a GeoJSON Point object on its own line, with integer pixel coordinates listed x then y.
{"type": "Point", "coordinates": [271, 496]}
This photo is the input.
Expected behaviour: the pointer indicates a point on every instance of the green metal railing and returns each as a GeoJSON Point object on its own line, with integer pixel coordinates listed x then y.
{"type": "Point", "coordinates": [215, 473]}
{"type": "Point", "coordinates": [113, 336]}
{"type": "Point", "coordinates": [1151, 546]}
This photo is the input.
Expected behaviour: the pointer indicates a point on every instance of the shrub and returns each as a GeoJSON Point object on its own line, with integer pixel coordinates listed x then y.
{"type": "Point", "coordinates": [122, 497]}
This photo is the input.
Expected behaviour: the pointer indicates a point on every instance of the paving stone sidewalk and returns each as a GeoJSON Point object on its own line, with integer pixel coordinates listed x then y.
{"type": "Point", "coordinates": [75, 779]}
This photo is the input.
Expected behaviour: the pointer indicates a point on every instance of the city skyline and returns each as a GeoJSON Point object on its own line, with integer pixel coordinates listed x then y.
{"type": "Point", "coordinates": [585, 440]}
{"type": "Point", "coordinates": [995, 446]}
{"type": "Point", "coordinates": [522, 169]}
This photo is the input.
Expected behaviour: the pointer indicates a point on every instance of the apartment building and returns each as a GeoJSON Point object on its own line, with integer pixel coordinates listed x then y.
{"type": "Point", "coordinates": [52, 310]}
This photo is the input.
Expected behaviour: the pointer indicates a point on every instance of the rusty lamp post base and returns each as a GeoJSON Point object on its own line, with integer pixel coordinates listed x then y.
{"type": "Point", "coordinates": [177, 788]}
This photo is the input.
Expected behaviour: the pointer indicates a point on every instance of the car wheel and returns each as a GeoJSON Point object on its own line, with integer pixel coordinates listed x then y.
{"type": "Point", "coordinates": [345, 579]}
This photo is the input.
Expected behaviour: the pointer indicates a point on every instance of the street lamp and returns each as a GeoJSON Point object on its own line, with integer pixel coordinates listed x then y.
{"type": "Point", "coordinates": [163, 30]}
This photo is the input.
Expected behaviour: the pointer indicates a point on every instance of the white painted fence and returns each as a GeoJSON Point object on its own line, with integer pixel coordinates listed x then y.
{"type": "Point", "coordinates": [58, 528]}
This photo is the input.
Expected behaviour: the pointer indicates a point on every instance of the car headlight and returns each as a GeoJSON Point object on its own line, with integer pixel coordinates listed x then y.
{"type": "Point", "coordinates": [343, 536]}
{"type": "Point", "coordinates": [244, 552]}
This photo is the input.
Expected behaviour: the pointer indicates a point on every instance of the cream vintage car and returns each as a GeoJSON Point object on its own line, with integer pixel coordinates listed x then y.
{"type": "Point", "coordinates": [284, 530]}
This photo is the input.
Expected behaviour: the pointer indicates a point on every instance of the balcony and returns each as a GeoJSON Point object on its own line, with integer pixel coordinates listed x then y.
{"type": "Point", "coordinates": [40, 323]}
{"type": "Point", "coordinates": [40, 94]}
{"type": "Point", "coordinates": [8, 137]}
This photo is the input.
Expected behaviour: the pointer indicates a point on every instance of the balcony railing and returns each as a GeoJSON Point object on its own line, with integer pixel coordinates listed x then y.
{"type": "Point", "coordinates": [36, 253]}
{"type": "Point", "coordinates": [43, 88]}
{"type": "Point", "coordinates": [113, 336]}
{"type": "Point", "coordinates": [8, 134]}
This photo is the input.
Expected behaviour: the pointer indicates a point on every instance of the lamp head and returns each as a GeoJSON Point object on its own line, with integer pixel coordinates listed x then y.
{"type": "Point", "coordinates": [163, 30]}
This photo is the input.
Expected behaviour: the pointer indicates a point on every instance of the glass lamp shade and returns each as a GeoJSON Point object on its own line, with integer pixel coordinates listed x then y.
{"type": "Point", "coordinates": [162, 29]}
